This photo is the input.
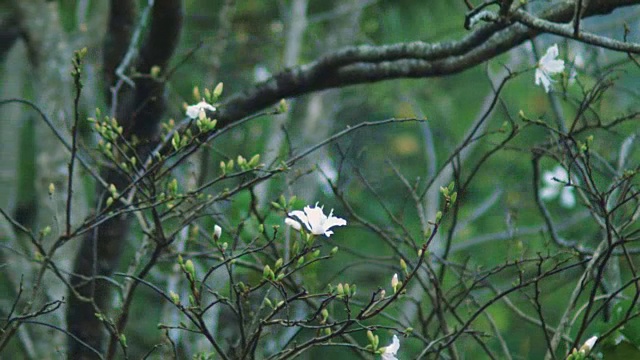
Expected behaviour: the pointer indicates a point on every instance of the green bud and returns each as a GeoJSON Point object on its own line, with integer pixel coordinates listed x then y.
{"type": "Point", "coordinates": [282, 107]}
{"type": "Point", "coordinates": [301, 260]}
{"type": "Point", "coordinates": [254, 161]}
{"type": "Point", "coordinates": [438, 216]}
{"type": "Point", "coordinates": [325, 314]}
{"type": "Point", "coordinates": [190, 269]}
{"type": "Point", "coordinates": [371, 337]}
{"type": "Point", "coordinates": [174, 297]}
{"type": "Point", "coordinates": [155, 71]}
{"type": "Point", "coordinates": [175, 141]}
{"type": "Point", "coordinates": [279, 263]}
{"type": "Point", "coordinates": [266, 272]}
{"type": "Point", "coordinates": [217, 91]}
{"type": "Point", "coordinates": [46, 231]}
{"type": "Point", "coordinates": [334, 251]}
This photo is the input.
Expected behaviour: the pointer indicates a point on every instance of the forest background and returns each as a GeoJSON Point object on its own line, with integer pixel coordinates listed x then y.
{"type": "Point", "coordinates": [507, 212]}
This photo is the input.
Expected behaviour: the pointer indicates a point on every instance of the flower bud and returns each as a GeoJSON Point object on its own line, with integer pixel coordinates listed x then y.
{"type": "Point", "coordinates": [394, 282]}
{"type": "Point", "coordinates": [174, 297]}
{"type": "Point", "coordinates": [217, 232]}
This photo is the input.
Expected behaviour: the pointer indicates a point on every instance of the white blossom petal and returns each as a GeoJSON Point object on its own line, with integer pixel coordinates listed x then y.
{"type": "Point", "coordinates": [389, 352]}
{"type": "Point", "coordinates": [567, 199]}
{"type": "Point", "coordinates": [548, 192]}
{"type": "Point", "coordinates": [294, 224]}
{"type": "Point", "coordinates": [561, 174]}
{"type": "Point", "coordinates": [588, 345]}
{"type": "Point", "coordinates": [302, 216]}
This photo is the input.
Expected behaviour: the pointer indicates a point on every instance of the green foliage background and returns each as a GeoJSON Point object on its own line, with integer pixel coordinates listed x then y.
{"type": "Point", "coordinates": [451, 104]}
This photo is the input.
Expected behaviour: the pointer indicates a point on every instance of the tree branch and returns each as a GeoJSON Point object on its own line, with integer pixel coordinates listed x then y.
{"type": "Point", "coordinates": [365, 64]}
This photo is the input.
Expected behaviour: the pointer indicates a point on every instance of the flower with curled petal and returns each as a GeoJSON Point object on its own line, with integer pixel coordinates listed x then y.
{"type": "Point", "coordinates": [316, 221]}
{"type": "Point", "coordinates": [389, 352]}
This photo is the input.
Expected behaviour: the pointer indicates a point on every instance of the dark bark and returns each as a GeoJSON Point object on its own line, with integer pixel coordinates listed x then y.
{"type": "Point", "coordinates": [139, 110]}
{"type": "Point", "coordinates": [9, 33]}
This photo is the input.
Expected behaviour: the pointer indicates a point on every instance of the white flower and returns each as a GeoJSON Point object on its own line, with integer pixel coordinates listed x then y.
{"type": "Point", "coordinates": [588, 345]}
{"type": "Point", "coordinates": [389, 352]}
{"type": "Point", "coordinates": [394, 281]}
{"type": "Point", "coordinates": [260, 73]}
{"type": "Point", "coordinates": [294, 224]}
{"type": "Point", "coordinates": [552, 188]}
{"type": "Point", "coordinates": [548, 66]}
{"type": "Point", "coordinates": [193, 111]}
{"type": "Point", "coordinates": [316, 221]}
{"type": "Point", "coordinates": [217, 232]}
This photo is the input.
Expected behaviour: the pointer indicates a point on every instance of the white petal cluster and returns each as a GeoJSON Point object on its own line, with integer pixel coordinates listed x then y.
{"type": "Point", "coordinates": [548, 66]}
{"type": "Point", "coordinates": [389, 352]}
{"type": "Point", "coordinates": [554, 186]}
{"type": "Point", "coordinates": [193, 111]}
{"type": "Point", "coordinates": [315, 220]}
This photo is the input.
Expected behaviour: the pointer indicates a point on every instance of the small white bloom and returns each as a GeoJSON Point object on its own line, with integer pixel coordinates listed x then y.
{"type": "Point", "coordinates": [548, 66]}
{"type": "Point", "coordinates": [553, 188]}
{"type": "Point", "coordinates": [193, 111]}
{"type": "Point", "coordinates": [316, 221]}
{"type": "Point", "coordinates": [294, 224]}
{"type": "Point", "coordinates": [389, 352]}
{"type": "Point", "coordinates": [260, 73]}
{"type": "Point", "coordinates": [394, 281]}
{"type": "Point", "coordinates": [588, 345]}
{"type": "Point", "coordinates": [217, 232]}
{"type": "Point", "coordinates": [578, 63]}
